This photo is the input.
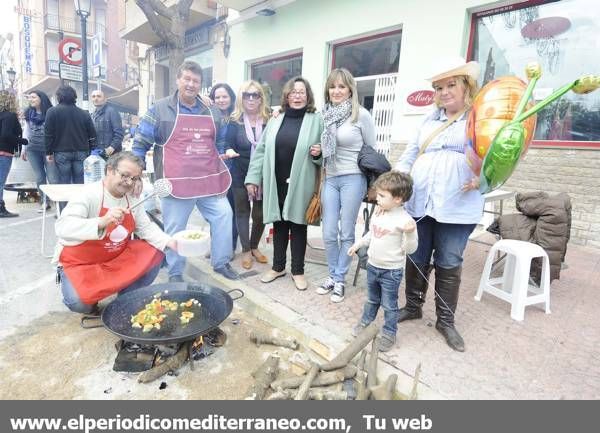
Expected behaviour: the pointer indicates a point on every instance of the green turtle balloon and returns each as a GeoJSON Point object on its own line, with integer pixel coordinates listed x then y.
{"type": "Point", "coordinates": [502, 122]}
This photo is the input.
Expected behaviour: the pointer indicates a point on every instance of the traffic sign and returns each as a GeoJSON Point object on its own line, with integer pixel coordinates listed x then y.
{"type": "Point", "coordinates": [69, 50]}
{"type": "Point", "coordinates": [70, 72]}
{"type": "Point", "coordinates": [97, 49]}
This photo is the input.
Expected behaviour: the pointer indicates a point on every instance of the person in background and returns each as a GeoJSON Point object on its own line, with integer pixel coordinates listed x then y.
{"type": "Point", "coordinates": [108, 124]}
{"type": "Point", "coordinates": [35, 151]}
{"type": "Point", "coordinates": [446, 202]}
{"type": "Point", "coordinates": [70, 136]}
{"type": "Point", "coordinates": [95, 252]}
{"type": "Point", "coordinates": [348, 127]}
{"type": "Point", "coordinates": [223, 97]}
{"type": "Point", "coordinates": [245, 132]}
{"type": "Point", "coordinates": [10, 140]}
{"type": "Point", "coordinates": [390, 237]}
{"type": "Point", "coordinates": [184, 132]}
{"type": "Point", "coordinates": [286, 163]}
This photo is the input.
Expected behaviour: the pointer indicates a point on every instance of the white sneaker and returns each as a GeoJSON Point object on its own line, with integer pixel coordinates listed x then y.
{"type": "Point", "coordinates": [338, 293]}
{"type": "Point", "coordinates": [326, 286]}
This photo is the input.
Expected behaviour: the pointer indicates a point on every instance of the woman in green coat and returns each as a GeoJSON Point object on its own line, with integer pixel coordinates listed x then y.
{"type": "Point", "coordinates": [286, 164]}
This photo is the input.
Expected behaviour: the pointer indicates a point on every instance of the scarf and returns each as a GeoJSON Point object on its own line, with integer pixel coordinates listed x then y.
{"type": "Point", "coordinates": [35, 117]}
{"type": "Point", "coordinates": [254, 138]}
{"type": "Point", "coordinates": [333, 117]}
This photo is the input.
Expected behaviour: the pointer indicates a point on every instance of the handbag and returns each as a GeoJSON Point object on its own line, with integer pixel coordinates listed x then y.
{"type": "Point", "coordinates": [313, 211]}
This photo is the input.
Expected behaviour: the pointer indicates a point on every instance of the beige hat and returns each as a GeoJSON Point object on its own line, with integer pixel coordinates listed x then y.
{"type": "Point", "coordinates": [454, 66]}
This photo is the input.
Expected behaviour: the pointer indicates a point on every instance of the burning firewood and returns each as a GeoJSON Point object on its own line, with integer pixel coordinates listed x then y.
{"type": "Point", "coordinates": [264, 376]}
{"type": "Point", "coordinates": [322, 379]}
{"type": "Point", "coordinates": [171, 364]}
{"type": "Point", "coordinates": [341, 360]}
{"type": "Point", "coordinates": [260, 338]}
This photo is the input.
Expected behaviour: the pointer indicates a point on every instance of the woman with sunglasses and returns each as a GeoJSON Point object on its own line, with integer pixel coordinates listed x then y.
{"type": "Point", "coordinates": [245, 131]}
{"type": "Point", "coordinates": [223, 97]}
{"type": "Point", "coordinates": [286, 164]}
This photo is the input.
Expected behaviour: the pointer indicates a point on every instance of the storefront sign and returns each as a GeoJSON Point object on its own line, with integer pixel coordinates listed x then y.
{"type": "Point", "coordinates": [28, 12]}
{"type": "Point", "coordinates": [420, 98]}
{"type": "Point", "coordinates": [27, 43]}
{"type": "Point", "coordinates": [419, 102]}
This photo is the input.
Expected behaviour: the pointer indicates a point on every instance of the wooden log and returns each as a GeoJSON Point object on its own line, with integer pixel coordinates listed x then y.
{"type": "Point", "coordinates": [310, 376]}
{"type": "Point", "coordinates": [362, 392]}
{"type": "Point", "coordinates": [171, 364]}
{"type": "Point", "coordinates": [413, 392]}
{"type": "Point", "coordinates": [372, 367]}
{"type": "Point", "coordinates": [313, 394]}
{"type": "Point", "coordinates": [261, 338]}
{"type": "Point", "coordinates": [264, 376]}
{"type": "Point", "coordinates": [360, 363]}
{"type": "Point", "coordinates": [385, 391]}
{"type": "Point", "coordinates": [344, 357]}
{"type": "Point", "coordinates": [323, 379]}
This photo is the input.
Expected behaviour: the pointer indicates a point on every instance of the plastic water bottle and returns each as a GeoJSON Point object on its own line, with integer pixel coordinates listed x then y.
{"type": "Point", "coordinates": [93, 169]}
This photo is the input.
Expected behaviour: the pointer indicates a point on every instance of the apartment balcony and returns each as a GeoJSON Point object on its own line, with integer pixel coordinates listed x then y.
{"type": "Point", "coordinates": [138, 29]}
{"type": "Point", "coordinates": [61, 23]}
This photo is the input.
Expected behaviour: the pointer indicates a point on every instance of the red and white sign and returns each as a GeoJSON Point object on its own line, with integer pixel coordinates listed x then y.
{"type": "Point", "coordinates": [420, 98]}
{"type": "Point", "coordinates": [69, 50]}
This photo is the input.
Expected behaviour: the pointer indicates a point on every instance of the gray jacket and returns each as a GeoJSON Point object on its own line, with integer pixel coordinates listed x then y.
{"type": "Point", "coordinates": [109, 128]}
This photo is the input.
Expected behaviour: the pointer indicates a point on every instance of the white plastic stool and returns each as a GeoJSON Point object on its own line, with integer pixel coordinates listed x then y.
{"type": "Point", "coordinates": [514, 285]}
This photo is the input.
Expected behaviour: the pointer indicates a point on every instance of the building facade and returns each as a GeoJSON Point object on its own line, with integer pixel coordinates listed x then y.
{"type": "Point", "coordinates": [50, 41]}
{"type": "Point", "coordinates": [392, 46]}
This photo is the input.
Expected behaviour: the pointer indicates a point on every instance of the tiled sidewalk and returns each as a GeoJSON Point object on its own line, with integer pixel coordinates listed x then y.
{"type": "Point", "coordinates": [554, 356]}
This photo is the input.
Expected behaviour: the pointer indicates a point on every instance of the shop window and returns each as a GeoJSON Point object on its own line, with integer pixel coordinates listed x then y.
{"type": "Point", "coordinates": [272, 74]}
{"type": "Point", "coordinates": [563, 37]}
{"type": "Point", "coordinates": [374, 55]}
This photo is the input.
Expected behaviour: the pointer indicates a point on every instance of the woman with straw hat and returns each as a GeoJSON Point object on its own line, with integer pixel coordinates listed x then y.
{"type": "Point", "coordinates": [446, 202]}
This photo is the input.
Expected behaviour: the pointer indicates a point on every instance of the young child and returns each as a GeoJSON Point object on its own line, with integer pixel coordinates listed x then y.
{"type": "Point", "coordinates": [392, 234]}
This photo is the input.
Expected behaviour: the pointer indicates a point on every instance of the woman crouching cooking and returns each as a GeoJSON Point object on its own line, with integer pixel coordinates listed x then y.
{"type": "Point", "coordinates": [95, 253]}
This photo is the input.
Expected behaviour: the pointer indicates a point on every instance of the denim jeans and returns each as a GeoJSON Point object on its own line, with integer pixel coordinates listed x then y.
{"type": "Point", "coordinates": [341, 197]}
{"type": "Point", "coordinates": [445, 241]}
{"type": "Point", "coordinates": [5, 163]}
{"type": "Point", "coordinates": [43, 169]}
{"type": "Point", "coordinates": [382, 290]}
{"type": "Point", "coordinates": [70, 166]}
{"type": "Point", "coordinates": [73, 302]}
{"type": "Point", "coordinates": [216, 210]}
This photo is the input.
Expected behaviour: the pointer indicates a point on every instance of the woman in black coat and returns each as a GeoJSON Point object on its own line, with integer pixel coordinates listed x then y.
{"type": "Point", "coordinates": [10, 139]}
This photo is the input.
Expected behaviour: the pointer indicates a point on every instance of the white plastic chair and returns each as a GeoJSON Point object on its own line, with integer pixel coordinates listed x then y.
{"type": "Point", "coordinates": [513, 286]}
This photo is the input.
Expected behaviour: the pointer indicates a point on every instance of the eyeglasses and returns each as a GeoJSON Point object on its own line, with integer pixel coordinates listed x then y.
{"type": "Point", "coordinates": [126, 178]}
{"type": "Point", "coordinates": [251, 95]}
{"type": "Point", "coordinates": [297, 93]}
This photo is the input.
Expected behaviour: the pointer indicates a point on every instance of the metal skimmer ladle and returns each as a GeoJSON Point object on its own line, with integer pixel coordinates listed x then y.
{"type": "Point", "coordinates": [162, 188]}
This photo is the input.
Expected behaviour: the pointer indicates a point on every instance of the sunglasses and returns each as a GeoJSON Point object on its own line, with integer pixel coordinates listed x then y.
{"type": "Point", "coordinates": [251, 95]}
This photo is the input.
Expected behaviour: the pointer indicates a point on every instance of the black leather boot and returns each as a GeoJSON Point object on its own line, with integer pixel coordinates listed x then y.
{"type": "Point", "coordinates": [416, 289]}
{"type": "Point", "coordinates": [4, 213]}
{"type": "Point", "coordinates": [447, 282]}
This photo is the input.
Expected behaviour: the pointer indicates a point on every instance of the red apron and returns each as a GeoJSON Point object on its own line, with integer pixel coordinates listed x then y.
{"type": "Point", "coordinates": [190, 158]}
{"type": "Point", "coordinates": [97, 269]}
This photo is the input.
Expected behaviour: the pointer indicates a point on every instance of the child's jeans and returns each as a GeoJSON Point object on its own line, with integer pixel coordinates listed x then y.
{"type": "Point", "coordinates": [383, 287]}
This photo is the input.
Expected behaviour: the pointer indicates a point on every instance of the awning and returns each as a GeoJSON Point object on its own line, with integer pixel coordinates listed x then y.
{"type": "Point", "coordinates": [126, 100]}
{"type": "Point", "coordinates": [50, 83]}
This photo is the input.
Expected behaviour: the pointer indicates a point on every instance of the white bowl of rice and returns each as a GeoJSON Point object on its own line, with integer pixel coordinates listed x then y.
{"type": "Point", "coordinates": [192, 243]}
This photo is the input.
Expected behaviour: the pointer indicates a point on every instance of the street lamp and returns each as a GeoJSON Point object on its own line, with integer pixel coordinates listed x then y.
{"type": "Point", "coordinates": [83, 9]}
{"type": "Point", "coordinates": [12, 75]}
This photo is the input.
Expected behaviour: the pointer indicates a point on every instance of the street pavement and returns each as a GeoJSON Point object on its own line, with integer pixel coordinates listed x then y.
{"type": "Point", "coordinates": [555, 356]}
